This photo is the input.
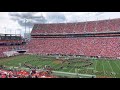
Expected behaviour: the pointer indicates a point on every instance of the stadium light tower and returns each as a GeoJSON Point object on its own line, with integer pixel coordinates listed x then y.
{"type": "Point", "coordinates": [25, 25]}
{"type": "Point", "coordinates": [29, 29]}
{"type": "Point", "coordinates": [15, 31]}
{"type": "Point", "coordinates": [5, 29]}
{"type": "Point", "coordinates": [10, 31]}
{"type": "Point", "coordinates": [20, 31]}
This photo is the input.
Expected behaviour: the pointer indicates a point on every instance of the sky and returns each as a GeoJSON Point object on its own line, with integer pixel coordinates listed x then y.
{"type": "Point", "coordinates": [21, 22]}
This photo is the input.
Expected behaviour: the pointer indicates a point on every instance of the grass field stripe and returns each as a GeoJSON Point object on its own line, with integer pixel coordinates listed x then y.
{"type": "Point", "coordinates": [51, 63]}
{"type": "Point", "coordinates": [43, 64]}
{"type": "Point", "coordinates": [117, 65]}
{"type": "Point", "coordinates": [57, 65]}
{"type": "Point", "coordinates": [72, 68]}
{"type": "Point", "coordinates": [87, 69]}
{"type": "Point", "coordinates": [118, 68]}
{"type": "Point", "coordinates": [48, 63]}
{"type": "Point", "coordinates": [95, 64]}
{"type": "Point", "coordinates": [75, 65]}
{"type": "Point", "coordinates": [54, 65]}
{"type": "Point", "coordinates": [111, 67]}
{"type": "Point", "coordinates": [103, 68]}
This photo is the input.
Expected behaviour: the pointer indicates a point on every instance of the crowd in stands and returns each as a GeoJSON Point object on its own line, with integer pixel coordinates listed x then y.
{"type": "Point", "coordinates": [4, 49]}
{"type": "Point", "coordinates": [25, 74]}
{"type": "Point", "coordinates": [8, 45]}
{"type": "Point", "coordinates": [11, 50]}
{"type": "Point", "coordinates": [78, 27]}
{"type": "Point", "coordinates": [10, 42]}
{"type": "Point", "coordinates": [89, 46]}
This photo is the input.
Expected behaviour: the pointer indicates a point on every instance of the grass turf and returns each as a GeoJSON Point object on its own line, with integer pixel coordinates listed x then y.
{"type": "Point", "coordinates": [100, 67]}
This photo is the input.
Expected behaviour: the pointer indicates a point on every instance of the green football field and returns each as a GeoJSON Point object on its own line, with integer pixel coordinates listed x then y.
{"type": "Point", "coordinates": [99, 67]}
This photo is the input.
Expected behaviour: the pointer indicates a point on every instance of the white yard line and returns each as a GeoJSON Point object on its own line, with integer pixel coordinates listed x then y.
{"type": "Point", "coordinates": [103, 68]}
{"type": "Point", "coordinates": [41, 64]}
{"type": "Point", "coordinates": [73, 67]}
{"type": "Point", "coordinates": [45, 63]}
{"type": "Point", "coordinates": [95, 64]}
{"type": "Point", "coordinates": [52, 64]}
{"type": "Point", "coordinates": [48, 63]}
{"type": "Point", "coordinates": [87, 69]}
{"type": "Point", "coordinates": [117, 65]}
{"type": "Point", "coordinates": [111, 67]}
{"type": "Point", "coordinates": [57, 65]}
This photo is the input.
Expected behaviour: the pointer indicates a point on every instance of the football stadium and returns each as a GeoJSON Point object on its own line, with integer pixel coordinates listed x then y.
{"type": "Point", "coordinates": [89, 49]}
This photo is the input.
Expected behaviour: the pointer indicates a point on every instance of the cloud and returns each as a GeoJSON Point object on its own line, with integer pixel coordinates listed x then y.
{"type": "Point", "coordinates": [17, 19]}
{"type": "Point", "coordinates": [22, 14]}
{"type": "Point", "coordinates": [36, 17]}
{"type": "Point", "coordinates": [99, 13]}
{"type": "Point", "coordinates": [29, 16]}
{"type": "Point", "coordinates": [55, 17]}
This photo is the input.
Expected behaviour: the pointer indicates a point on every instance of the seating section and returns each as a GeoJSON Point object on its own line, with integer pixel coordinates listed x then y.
{"type": "Point", "coordinates": [79, 27]}
{"type": "Point", "coordinates": [10, 42]}
{"type": "Point", "coordinates": [9, 45]}
{"type": "Point", "coordinates": [90, 46]}
{"type": "Point", "coordinates": [4, 49]}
